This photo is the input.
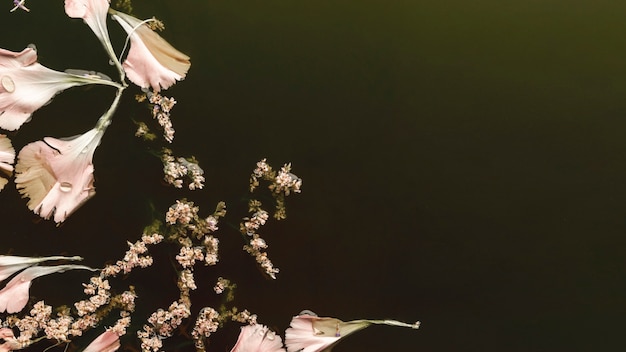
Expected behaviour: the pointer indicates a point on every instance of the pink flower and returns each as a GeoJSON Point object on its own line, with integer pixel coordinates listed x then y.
{"type": "Point", "coordinates": [14, 296]}
{"type": "Point", "coordinates": [26, 85]}
{"type": "Point", "coordinates": [57, 174]}
{"type": "Point", "coordinates": [94, 13]}
{"type": "Point", "coordinates": [310, 333]}
{"type": "Point", "coordinates": [258, 338]}
{"type": "Point", "coordinates": [108, 341]}
{"type": "Point", "coordinates": [7, 157]}
{"type": "Point", "coordinates": [151, 61]}
{"type": "Point", "coordinates": [10, 264]}
{"type": "Point", "coordinates": [10, 342]}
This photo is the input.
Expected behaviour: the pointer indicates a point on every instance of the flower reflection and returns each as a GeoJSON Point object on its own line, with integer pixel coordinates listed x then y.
{"type": "Point", "coordinates": [151, 61]}
{"type": "Point", "coordinates": [57, 174]}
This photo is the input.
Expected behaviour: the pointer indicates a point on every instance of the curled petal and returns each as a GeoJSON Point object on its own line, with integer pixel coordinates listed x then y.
{"type": "Point", "coordinates": [57, 175]}
{"type": "Point", "coordinates": [151, 61]}
{"type": "Point", "coordinates": [258, 338]}
{"type": "Point", "coordinates": [93, 12]}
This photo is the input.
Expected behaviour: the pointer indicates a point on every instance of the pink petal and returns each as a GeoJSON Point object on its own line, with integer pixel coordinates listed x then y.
{"type": "Point", "coordinates": [57, 175]}
{"type": "Point", "coordinates": [7, 158]}
{"type": "Point", "coordinates": [151, 61]}
{"type": "Point", "coordinates": [301, 336]}
{"type": "Point", "coordinates": [14, 296]}
{"type": "Point", "coordinates": [258, 338]}
{"type": "Point", "coordinates": [108, 341]}
{"type": "Point", "coordinates": [26, 86]}
{"type": "Point", "coordinates": [93, 12]}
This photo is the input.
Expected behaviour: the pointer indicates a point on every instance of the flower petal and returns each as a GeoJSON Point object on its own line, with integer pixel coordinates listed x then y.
{"type": "Point", "coordinates": [57, 175]}
{"type": "Point", "coordinates": [258, 338]}
{"type": "Point", "coordinates": [151, 61]}
{"type": "Point", "coordinates": [108, 341]}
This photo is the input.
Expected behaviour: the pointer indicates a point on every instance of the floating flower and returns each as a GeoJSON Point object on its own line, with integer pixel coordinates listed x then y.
{"type": "Point", "coordinates": [258, 338]}
{"type": "Point", "coordinates": [10, 264]}
{"type": "Point", "coordinates": [108, 341]}
{"type": "Point", "coordinates": [57, 174]}
{"type": "Point", "coordinates": [14, 296]}
{"type": "Point", "coordinates": [26, 86]}
{"type": "Point", "coordinates": [151, 61]}
{"type": "Point", "coordinates": [7, 157]}
{"type": "Point", "coordinates": [310, 333]}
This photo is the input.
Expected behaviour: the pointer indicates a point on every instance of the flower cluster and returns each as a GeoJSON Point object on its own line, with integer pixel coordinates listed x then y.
{"type": "Point", "coordinates": [177, 169]}
{"type": "Point", "coordinates": [281, 184]}
{"type": "Point", "coordinates": [134, 256]}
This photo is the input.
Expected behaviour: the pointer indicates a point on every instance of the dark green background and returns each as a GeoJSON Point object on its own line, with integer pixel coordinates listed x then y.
{"type": "Point", "coordinates": [464, 163]}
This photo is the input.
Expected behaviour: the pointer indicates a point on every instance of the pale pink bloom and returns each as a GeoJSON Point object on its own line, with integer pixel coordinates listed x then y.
{"type": "Point", "coordinates": [310, 333]}
{"type": "Point", "coordinates": [10, 342]}
{"type": "Point", "coordinates": [7, 158]}
{"type": "Point", "coordinates": [57, 174]}
{"type": "Point", "coordinates": [151, 61]}
{"type": "Point", "coordinates": [108, 341]}
{"type": "Point", "coordinates": [14, 296]}
{"type": "Point", "coordinates": [258, 338]}
{"type": "Point", "coordinates": [26, 86]}
{"type": "Point", "coordinates": [94, 13]}
{"type": "Point", "coordinates": [10, 264]}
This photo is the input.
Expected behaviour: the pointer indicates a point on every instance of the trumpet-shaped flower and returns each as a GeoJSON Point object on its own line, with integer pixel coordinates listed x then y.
{"type": "Point", "coordinates": [57, 174]}
{"type": "Point", "coordinates": [151, 61]}
{"type": "Point", "coordinates": [258, 338]}
{"type": "Point", "coordinates": [26, 86]}
{"type": "Point", "coordinates": [14, 296]}
{"type": "Point", "coordinates": [10, 264]}
{"type": "Point", "coordinates": [7, 157]}
{"type": "Point", "coordinates": [94, 13]}
{"type": "Point", "coordinates": [108, 341]}
{"type": "Point", "coordinates": [310, 333]}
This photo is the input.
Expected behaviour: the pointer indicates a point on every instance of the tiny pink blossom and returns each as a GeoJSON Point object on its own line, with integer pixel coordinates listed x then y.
{"type": "Point", "coordinates": [258, 338]}
{"type": "Point", "coordinates": [26, 86]}
{"type": "Point", "coordinates": [151, 61]}
{"type": "Point", "coordinates": [57, 174]}
{"type": "Point", "coordinates": [108, 341]}
{"type": "Point", "coordinates": [14, 296]}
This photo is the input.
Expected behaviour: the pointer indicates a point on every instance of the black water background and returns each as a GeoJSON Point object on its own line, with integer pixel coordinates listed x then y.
{"type": "Point", "coordinates": [463, 163]}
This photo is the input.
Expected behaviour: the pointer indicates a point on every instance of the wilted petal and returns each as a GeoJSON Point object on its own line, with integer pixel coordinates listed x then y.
{"type": "Point", "coordinates": [10, 264]}
{"type": "Point", "coordinates": [258, 338]}
{"type": "Point", "coordinates": [7, 158]}
{"type": "Point", "coordinates": [310, 333]}
{"type": "Point", "coordinates": [108, 341]}
{"type": "Point", "coordinates": [57, 174]}
{"type": "Point", "coordinates": [151, 61]}
{"type": "Point", "coordinates": [94, 13]}
{"type": "Point", "coordinates": [26, 86]}
{"type": "Point", "coordinates": [14, 296]}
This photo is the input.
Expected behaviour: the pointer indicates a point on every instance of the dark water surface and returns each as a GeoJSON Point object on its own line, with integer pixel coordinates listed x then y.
{"type": "Point", "coordinates": [464, 163]}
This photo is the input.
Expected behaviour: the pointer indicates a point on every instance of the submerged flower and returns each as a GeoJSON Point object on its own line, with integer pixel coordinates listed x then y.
{"type": "Point", "coordinates": [108, 341]}
{"type": "Point", "coordinates": [14, 296]}
{"type": "Point", "coordinates": [10, 264]}
{"type": "Point", "coordinates": [310, 333]}
{"type": "Point", "coordinates": [151, 61]}
{"type": "Point", "coordinates": [7, 157]}
{"type": "Point", "coordinates": [258, 338]}
{"type": "Point", "coordinates": [26, 86]}
{"type": "Point", "coordinates": [57, 174]}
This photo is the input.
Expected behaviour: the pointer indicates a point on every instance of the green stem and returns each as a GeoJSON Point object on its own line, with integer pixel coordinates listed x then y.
{"type": "Point", "coordinates": [105, 120]}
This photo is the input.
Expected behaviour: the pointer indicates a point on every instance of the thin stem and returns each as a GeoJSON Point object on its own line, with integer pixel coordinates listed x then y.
{"type": "Point", "coordinates": [105, 120]}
